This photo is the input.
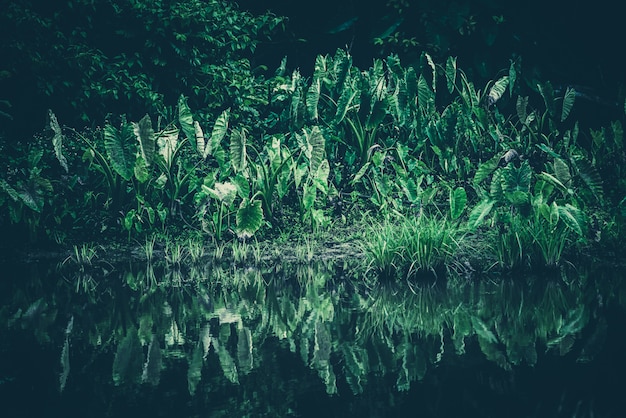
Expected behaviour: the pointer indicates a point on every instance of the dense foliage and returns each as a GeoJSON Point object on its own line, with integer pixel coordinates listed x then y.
{"type": "Point", "coordinates": [246, 155]}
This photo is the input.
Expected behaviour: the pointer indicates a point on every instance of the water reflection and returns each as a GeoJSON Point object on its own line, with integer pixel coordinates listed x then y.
{"type": "Point", "coordinates": [268, 339]}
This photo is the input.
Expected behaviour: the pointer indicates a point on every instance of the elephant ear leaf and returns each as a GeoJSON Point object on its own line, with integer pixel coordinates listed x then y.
{"type": "Point", "coordinates": [498, 89]}
{"type": "Point", "coordinates": [145, 136]}
{"type": "Point", "coordinates": [186, 120]}
{"type": "Point", "coordinates": [451, 73]}
{"type": "Point", "coordinates": [318, 144]}
{"type": "Point", "coordinates": [119, 145]}
{"type": "Point", "coordinates": [249, 218]}
{"type": "Point", "coordinates": [217, 134]}
{"type": "Point", "coordinates": [458, 200]}
{"type": "Point", "coordinates": [568, 103]}
{"type": "Point", "coordinates": [57, 141]}
{"type": "Point", "coordinates": [479, 213]}
{"type": "Point", "coordinates": [238, 150]}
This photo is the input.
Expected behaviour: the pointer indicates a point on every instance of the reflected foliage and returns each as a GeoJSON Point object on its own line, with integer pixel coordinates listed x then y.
{"type": "Point", "coordinates": [217, 328]}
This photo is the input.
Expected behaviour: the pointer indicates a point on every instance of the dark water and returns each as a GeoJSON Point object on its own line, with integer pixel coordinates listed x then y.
{"type": "Point", "coordinates": [298, 340]}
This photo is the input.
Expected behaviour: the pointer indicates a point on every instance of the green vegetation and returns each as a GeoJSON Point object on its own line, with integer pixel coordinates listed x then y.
{"type": "Point", "coordinates": [429, 155]}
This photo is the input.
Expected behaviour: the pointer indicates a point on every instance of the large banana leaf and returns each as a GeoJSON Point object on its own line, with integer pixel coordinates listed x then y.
{"type": "Point", "coordinates": [121, 149]}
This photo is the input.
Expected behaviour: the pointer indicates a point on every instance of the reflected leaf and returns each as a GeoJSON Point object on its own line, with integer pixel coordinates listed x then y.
{"type": "Point", "coordinates": [153, 365]}
{"type": "Point", "coordinates": [595, 343]}
{"type": "Point", "coordinates": [244, 350]}
{"type": "Point", "coordinates": [226, 361]}
{"type": "Point", "coordinates": [127, 364]}
{"type": "Point", "coordinates": [65, 364]}
{"type": "Point", "coordinates": [194, 372]}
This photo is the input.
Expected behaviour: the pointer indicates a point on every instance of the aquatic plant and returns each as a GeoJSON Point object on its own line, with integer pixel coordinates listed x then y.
{"type": "Point", "coordinates": [195, 249]}
{"type": "Point", "coordinates": [82, 256]}
{"type": "Point", "coordinates": [175, 253]}
{"type": "Point", "coordinates": [148, 248]}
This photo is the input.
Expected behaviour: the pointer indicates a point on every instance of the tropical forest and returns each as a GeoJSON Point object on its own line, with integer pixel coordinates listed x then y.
{"type": "Point", "coordinates": [279, 209]}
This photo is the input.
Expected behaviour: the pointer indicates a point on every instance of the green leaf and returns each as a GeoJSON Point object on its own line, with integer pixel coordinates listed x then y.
{"type": "Point", "coordinates": [458, 200]}
{"type": "Point", "coordinates": [547, 93]}
{"type": "Point", "coordinates": [186, 120]}
{"type": "Point", "coordinates": [217, 134]}
{"type": "Point", "coordinates": [348, 94]}
{"type": "Point", "coordinates": [512, 77]}
{"type": "Point", "coordinates": [6, 187]}
{"type": "Point", "coordinates": [517, 179]}
{"type": "Point", "coordinates": [479, 213]}
{"type": "Point", "coordinates": [573, 218]}
{"type": "Point", "coordinates": [498, 89]}
{"type": "Point", "coordinates": [432, 66]}
{"type": "Point", "coordinates": [200, 141]}
{"type": "Point", "coordinates": [57, 141]}
{"type": "Point", "coordinates": [167, 141]}
{"type": "Point", "coordinates": [562, 173]}
{"type": "Point", "coordinates": [590, 177]}
{"type": "Point", "coordinates": [313, 145]}
{"type": "Point", "coordinates": [119, 145]}
{"type": "Point", "coordinates": [360, 173]}
{"type": "Point", "coordinates": [249, 218]}
{"type": "Point", "coordinates": [520, 107]}
{"type": "Point", "coordinates": [224, 192]}
{"type": "Point", "coordinates": [451, 73]}
{"type": "Point", "coordinates": [321, 177]}
{"type": "Point", "coordinates": [308, 196]}
{"type": "Point", "coordinates": [141, 170]}
{"type": "Point", "coordinates": [238, 156]}
{"type": "Point", "coordinates": [313, 97]}
{"type": "Point", "coordinates": [424, 94]}
{"type": "Point", "coordinates": [568, 103]}
{"type": "Point", "coordinates": [145, 136]}
{"type": "Point", "coordinates": [553, 180]}
{"type": "Point", "coordinates": [485, 169]}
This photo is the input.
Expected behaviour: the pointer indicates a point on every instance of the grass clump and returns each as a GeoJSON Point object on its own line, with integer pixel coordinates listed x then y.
{"type": "Point", "coordinates": [410, 246]}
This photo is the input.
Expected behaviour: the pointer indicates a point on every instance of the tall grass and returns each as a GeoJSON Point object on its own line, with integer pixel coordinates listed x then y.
{"type": "Point", "coordinates": [381, 247]}
{"type": "Point", "coordinates": [549, 241]}
{"type": "Point", "coordinates": [427, 243]}
{"type": "Point", "coordinates": [410, 246]}
{"type": "Point", "coordinates": [511, 245]}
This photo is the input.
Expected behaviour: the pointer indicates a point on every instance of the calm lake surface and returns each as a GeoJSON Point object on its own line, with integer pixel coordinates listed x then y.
{"type": "Point", "coordinates": [307, 340]}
